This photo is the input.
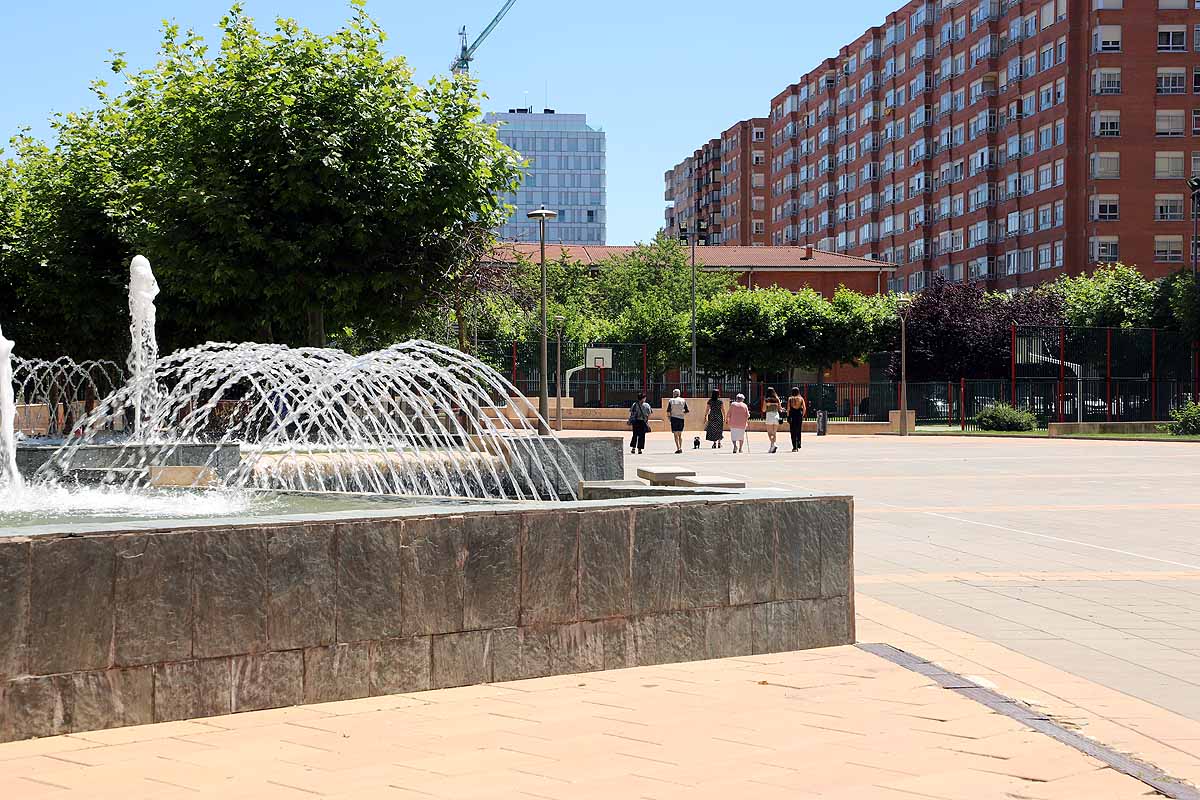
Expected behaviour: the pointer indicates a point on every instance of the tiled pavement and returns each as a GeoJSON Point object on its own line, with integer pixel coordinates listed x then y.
{"type": "Point", "coordinates": [838, 723]}
{"type": "Point", "coordinates": [1081, 554]}
{"type": "Point", "coordinates": [1067, 574]}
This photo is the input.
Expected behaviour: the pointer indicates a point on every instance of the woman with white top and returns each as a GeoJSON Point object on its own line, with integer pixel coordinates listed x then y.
{"type": "Point", "coordinates": [677, 410]}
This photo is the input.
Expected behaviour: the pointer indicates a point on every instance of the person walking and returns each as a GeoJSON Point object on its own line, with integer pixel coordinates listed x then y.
{"type": "Point", "coordinates": [639, 420]}
{"type": "Point", "coordinates": [771, 415]}
{"type": "Point", "coordinates": [797, 410]}
{"type": "Point", "coordinates": [739, 420]}
{"type": "Point", "coordinates": [714, 420]}
{"type": "Point", "coordinates": [677, 411]}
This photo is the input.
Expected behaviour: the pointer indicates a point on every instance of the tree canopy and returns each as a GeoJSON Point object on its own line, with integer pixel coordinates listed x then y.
{"type": "Point", "coordinates": [278, 182]}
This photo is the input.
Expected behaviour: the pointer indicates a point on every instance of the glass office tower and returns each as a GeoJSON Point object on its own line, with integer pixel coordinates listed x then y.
{"type": "Point", "coordinates": [565, 173]}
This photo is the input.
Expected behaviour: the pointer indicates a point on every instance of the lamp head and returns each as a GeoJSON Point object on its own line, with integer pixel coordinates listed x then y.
{"type": "Point", "coordinates": [542, 213]}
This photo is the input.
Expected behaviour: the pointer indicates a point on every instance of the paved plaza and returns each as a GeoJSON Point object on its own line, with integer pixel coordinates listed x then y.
{"type": "Point", "coordinates": [836, 723]}
{"type": "Point", "coordinates": [1063, 574]}
{"type": "Point", "coordinates": [1082, 554]}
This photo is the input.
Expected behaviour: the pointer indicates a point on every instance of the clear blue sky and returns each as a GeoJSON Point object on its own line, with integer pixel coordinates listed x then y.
{"type": "Point", "coordinates": [659, 76]}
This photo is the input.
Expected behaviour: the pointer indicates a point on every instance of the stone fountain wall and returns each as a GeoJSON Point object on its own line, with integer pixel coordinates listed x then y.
{"type": "Point", "coordinates": [124, 628]}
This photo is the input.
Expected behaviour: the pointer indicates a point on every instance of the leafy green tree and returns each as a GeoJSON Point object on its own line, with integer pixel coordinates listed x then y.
{"type": "Point", "coordinates": [1181, 293]}
{"type": "Point", "coordinates": [280, 183]}
{"type": "Point", "coordinates": [1113, 296]}
{"type": "Point", "coordinates": [63, 263]}
{"type": "Point", "coordinates": [745, 330]}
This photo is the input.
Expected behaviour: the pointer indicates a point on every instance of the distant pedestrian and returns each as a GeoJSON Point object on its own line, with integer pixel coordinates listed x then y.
{"type": "Point", "coordinates": [797, 410]}
{"type": "Point", "coordinates": [773, 408]}
{"type": "Point", "coordinates": [739, 420]}
{"type": "Point", "coordinates": [714, 420]}
{"type": "Point", "coordinates": [677, 411]}
{"type": "Point", "coordinates": [639, 420]}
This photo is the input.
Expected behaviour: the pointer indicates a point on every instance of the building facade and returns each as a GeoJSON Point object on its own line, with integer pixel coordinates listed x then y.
{"type": "Point", "coordinates": [723, 187]}
{"type": "Point", "coordinates": [1004, 141]}
{"type": "Point", "coordinates": [565, 172]}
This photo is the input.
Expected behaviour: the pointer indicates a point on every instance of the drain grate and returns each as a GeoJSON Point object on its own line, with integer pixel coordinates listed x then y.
{"type": "Point", "coordinates": [1146, 773]}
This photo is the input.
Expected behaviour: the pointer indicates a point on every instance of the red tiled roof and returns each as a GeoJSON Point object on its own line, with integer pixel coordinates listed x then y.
{"type": "Point", "coordinates": [791, 258]}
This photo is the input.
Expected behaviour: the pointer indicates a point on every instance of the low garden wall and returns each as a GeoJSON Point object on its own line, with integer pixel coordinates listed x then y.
{"type": "Point", "coordinates": [108, 628]}
{"type": "Point", "coordinates": [1076, 428]}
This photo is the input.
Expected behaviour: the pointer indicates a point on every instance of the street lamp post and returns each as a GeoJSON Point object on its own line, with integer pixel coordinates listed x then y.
{"type": "Point", "coordinates": [558, 323]}
{"type": "Point", "coordinates": [902, 306]}
{"type": "Point", "coordinates": [692, 236]}
{"type": "Point", "coordinates": [1194, 184]}
{"type": "Point", "coordinates": [542, 215]}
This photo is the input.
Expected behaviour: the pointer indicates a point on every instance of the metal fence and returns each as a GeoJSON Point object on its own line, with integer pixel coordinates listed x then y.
{"type": "Point", "coordinates": [1059, 374]}
{"type": "Point", "coordinates": [1102, 374]}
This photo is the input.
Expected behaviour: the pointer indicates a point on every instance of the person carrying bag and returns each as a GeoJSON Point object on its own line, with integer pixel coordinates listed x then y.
{"type": "Point", "coordinates": [639, 420]}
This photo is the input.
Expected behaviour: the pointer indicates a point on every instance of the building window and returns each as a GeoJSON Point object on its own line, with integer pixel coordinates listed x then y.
{"type": "Point", "coordinates": [1106, 123]}
{"type": "Point", "coordinates": [1105, 249]}
{"type": "Point", "coordinates": [1171, 80]}
{"type": "Point", "coordinates": [1106, 165]}
{"type": "Point", "coordinates": [1108, 81]}
{"type": "Point", "coordinates": [1172, 39]}
{"type": "Point", "coordinates": [1168, 248]}
{"type": "Point", "coordinates": [1169, 123]}
{"type": "Point", "coordinates": [1107, 39]}
{"type": "Point", "coordinates": [1168, 165]}
{"type": "Point", "coordinates": [1168, 207]}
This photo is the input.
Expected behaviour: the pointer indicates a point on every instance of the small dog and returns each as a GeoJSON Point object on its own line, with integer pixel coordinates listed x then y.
{"type": "Point", "coordinates": [696, 443]}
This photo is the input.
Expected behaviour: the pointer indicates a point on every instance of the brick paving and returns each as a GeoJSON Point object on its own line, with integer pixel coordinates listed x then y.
{"type": "Point", "coordinates": [1081, 554]}
{"type": "Point", "coordinates": [1063, 573]}
{"type": "Point", "coordinates": [838, 723]}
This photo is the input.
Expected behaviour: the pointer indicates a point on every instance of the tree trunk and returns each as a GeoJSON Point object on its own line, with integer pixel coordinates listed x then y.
{"type": "Point", "coordinates": [316, 326]}
{"type": "Point", "coordinates": [462, 326]}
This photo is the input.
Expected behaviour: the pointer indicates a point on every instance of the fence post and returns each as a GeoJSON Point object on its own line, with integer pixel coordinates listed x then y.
{"type": "Point", "coordinates": [1013, 362]}
{"type": "Point", "coordinates": [645, 379]}
{"type": "Point", "coordinates": [1154, 373]}
{"type": "Point", "coordinates": [962, 401]}
{"type": "Point", "coordinates": [514, 369]}
{"type": "Point", "coordinates": [1062, 371]}
{"type": "Point", "coordinates": [853, 408]}
{"type": "Point", "coordinates": [1108, 376]}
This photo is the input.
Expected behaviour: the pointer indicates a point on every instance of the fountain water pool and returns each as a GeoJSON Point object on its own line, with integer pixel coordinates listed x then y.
{"type": "Point", "coordinates": [246, 427]}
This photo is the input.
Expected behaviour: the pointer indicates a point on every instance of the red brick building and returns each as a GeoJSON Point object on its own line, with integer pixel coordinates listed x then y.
{"type": "Point", "coordinates": [757, 267]}
{"type": "Point", "coordinates": [953, 138]}
{"type": "Point", "coordinates": [724, 186]}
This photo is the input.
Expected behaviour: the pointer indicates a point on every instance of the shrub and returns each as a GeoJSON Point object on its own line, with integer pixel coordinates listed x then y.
{"type": "Point", "coordinates": [1003, 417]}
{"type": "Point", "coordinates": [1186, 420]}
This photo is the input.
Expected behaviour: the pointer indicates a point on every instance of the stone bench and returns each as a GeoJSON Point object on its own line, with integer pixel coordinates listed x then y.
{"type": "Point", "coordinates": [664, 476]}
{"type": "Point", "coordinates": [710, 482]}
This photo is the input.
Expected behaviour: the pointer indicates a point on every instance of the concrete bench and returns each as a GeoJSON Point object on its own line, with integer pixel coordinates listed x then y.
{"type": "Point", "coordinates": [710, 481]}
{"type": "Point", "coordinates": [664, 476]}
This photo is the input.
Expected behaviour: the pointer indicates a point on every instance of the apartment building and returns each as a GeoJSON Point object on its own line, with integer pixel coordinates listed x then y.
{"type": "Point", "coordinates": [722, 187]}
{"type": "Point", "coordinates": [1006, 141]}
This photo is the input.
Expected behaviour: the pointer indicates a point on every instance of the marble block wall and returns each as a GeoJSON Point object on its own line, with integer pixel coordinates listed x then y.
{"type": "Point", "coordinates": [110, 629]}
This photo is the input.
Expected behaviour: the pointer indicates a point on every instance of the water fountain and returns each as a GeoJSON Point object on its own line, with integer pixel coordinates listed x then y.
{"type": "Point", "coordinates": [10, 478]}
{"type": "Point", "coordinates": [280, 525]}
{"type": "Point", "coordinates": [246, 425]}
{"type": "Point", "coordinates": [143, 352]}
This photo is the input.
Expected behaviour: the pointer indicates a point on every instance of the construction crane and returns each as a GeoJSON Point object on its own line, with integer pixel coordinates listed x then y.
{"type": "Point", "coordinates": [462, 64]}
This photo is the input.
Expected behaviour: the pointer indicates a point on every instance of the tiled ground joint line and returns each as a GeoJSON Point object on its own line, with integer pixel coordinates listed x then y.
{"type": "Point", "coordinates": [1146, 773]}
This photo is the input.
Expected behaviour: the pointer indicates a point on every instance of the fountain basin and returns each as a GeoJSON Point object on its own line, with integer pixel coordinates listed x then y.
{"type": "Point", "coordinates": [221, 458]}
{"type": "Point", "coordinates": [103, 625]}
